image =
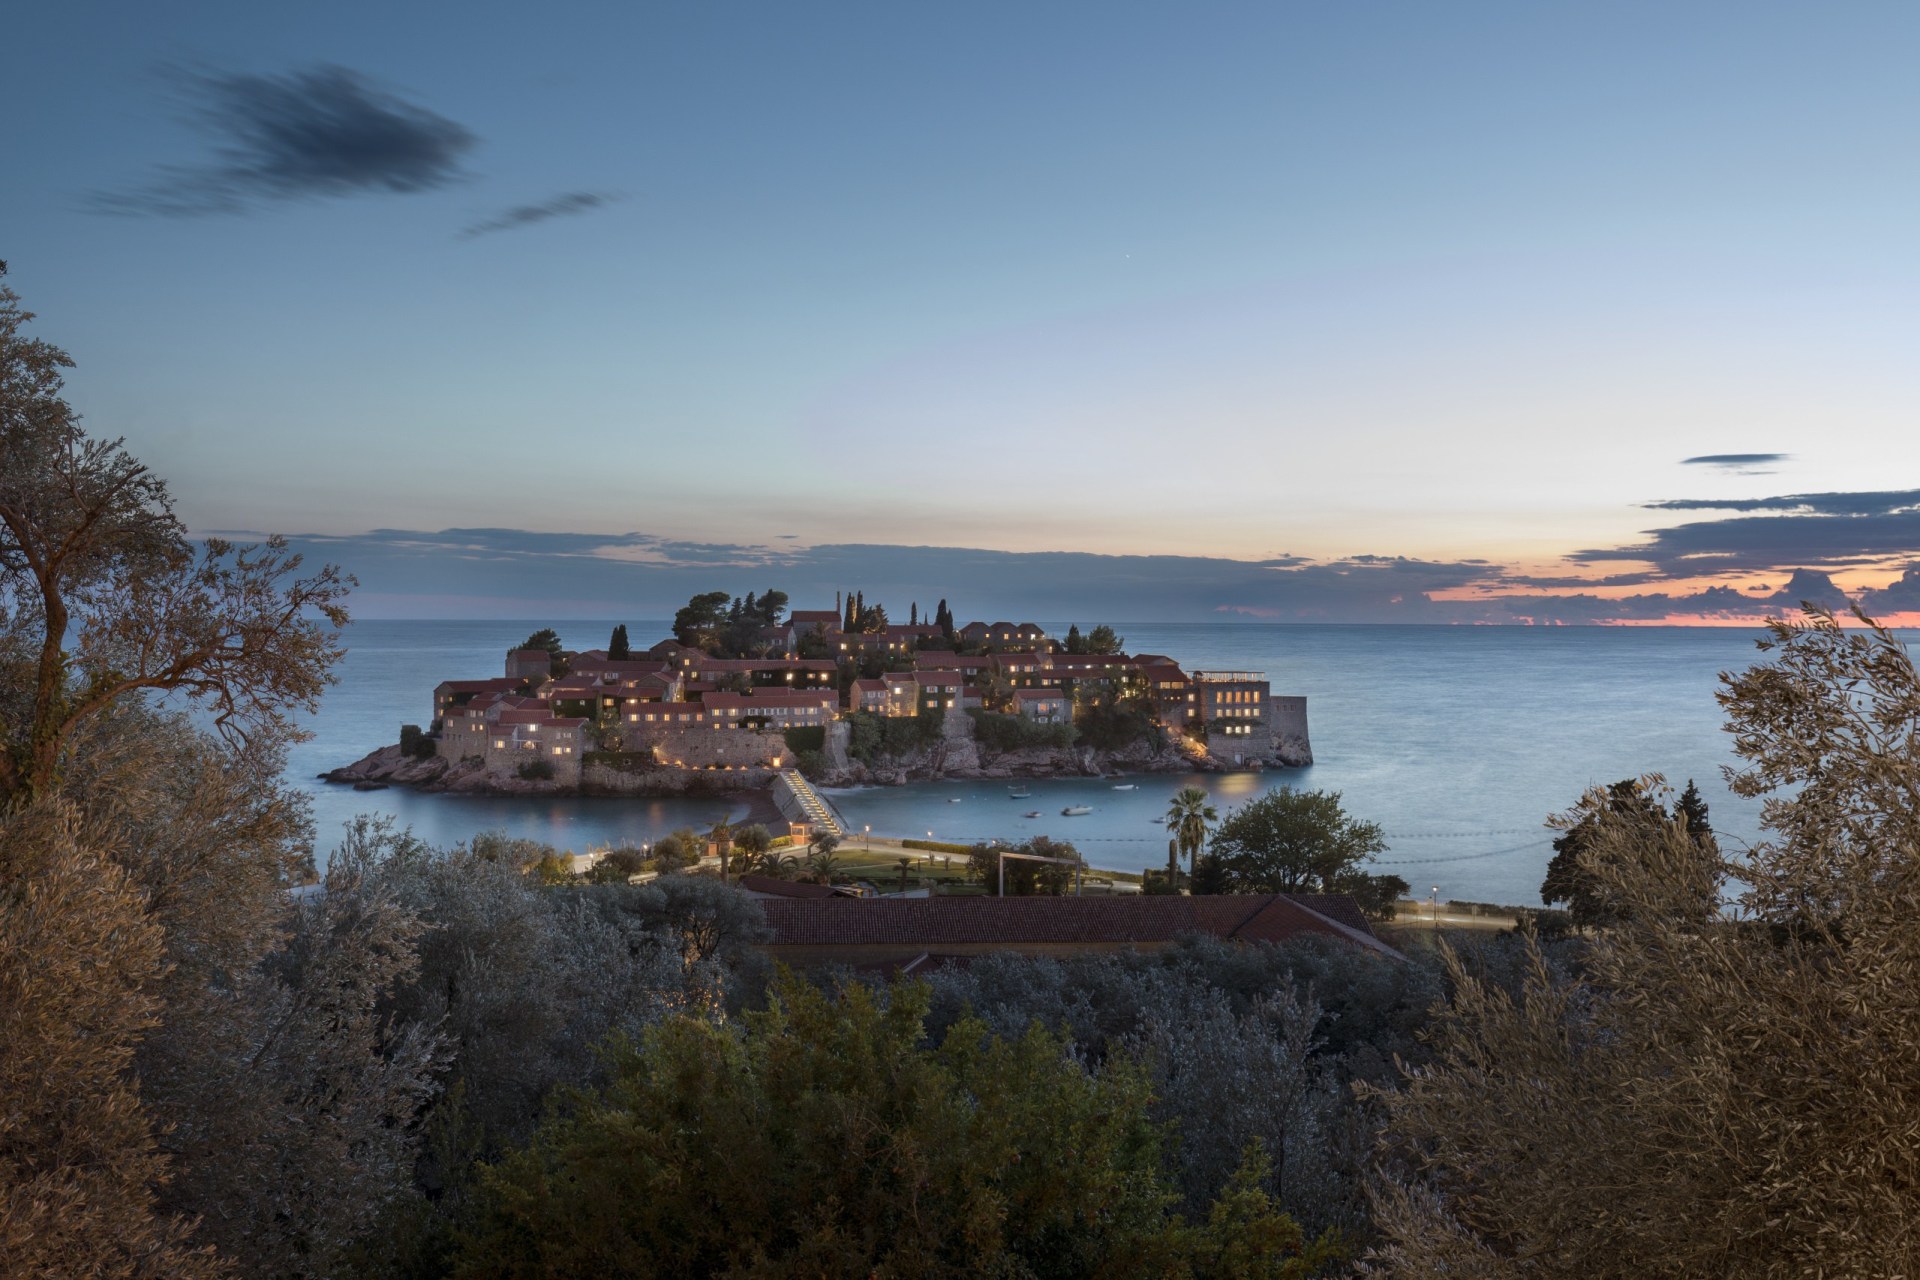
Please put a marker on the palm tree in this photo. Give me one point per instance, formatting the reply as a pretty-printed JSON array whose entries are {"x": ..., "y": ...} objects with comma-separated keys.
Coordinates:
[
  {"x": 1187, "y": 819},
  {"x": 821, "y": 863}
]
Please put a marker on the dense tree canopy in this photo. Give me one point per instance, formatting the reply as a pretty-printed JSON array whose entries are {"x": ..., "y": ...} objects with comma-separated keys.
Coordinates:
[{"x": 824, "y": 1137}]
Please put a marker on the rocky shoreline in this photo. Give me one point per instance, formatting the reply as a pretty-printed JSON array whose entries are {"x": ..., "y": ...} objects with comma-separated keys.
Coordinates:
[{"x": 958, "y": 756}]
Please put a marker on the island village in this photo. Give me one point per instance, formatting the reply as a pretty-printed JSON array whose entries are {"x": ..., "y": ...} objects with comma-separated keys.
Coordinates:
[{"x": 744, "y": 694}]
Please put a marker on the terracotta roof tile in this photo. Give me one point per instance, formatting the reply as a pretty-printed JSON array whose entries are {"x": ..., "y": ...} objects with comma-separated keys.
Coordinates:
[{"x": 931, "y": 923}]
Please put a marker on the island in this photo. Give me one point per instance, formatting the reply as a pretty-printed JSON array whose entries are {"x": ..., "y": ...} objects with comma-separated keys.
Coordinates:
[{"x": 743, "y": 694}]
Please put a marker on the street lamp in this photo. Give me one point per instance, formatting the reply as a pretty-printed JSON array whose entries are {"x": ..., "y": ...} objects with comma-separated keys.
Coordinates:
[
  {"x": 869, "y": 831},
  {"x": 1435, "y": 899}
]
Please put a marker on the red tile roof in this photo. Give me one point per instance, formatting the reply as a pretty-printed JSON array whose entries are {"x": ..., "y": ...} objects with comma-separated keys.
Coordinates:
[
  {"x": 786, "y": 888},
  {"x": 936, "y": 922}
]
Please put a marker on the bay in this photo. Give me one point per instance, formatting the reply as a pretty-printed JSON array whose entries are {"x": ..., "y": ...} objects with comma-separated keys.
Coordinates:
[{"x": 1458, "y": 740}]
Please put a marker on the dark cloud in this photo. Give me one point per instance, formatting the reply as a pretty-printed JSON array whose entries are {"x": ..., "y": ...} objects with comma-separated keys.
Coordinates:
[
  {"x": 526, "y": 215},
  {"x": 1735, "y": 461},
  {"x": 1831, "y": 529},
  {"x": 1870, "y": 503},
  {"x": 1902, "y": 595},
  {"x": 506, "y": 572},
  {"x": 309, "y": 134},
  {"x": 1724, "y": 603},
  {"x": 500, "y": 573}
]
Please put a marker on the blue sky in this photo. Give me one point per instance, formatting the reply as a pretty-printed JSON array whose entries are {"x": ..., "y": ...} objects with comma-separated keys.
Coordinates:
[{"x": 1438, "y": 283}]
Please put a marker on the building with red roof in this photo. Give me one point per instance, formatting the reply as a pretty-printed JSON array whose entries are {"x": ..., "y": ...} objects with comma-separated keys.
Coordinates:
[{"x": 898, "y": 931}]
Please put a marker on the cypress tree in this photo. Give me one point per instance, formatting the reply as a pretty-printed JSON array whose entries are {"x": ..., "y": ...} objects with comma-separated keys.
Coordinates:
[{"x": 619, "y": 648}]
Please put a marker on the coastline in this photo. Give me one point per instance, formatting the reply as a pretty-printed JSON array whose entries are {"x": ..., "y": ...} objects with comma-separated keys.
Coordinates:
[{"x": 958, "y": 758}]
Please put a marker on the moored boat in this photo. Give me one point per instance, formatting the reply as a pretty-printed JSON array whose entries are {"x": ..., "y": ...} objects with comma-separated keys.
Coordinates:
[{"x": 1076, "y": 810}]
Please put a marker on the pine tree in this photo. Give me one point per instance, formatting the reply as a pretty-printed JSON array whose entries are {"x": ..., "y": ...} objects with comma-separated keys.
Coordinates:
[
  {"x": 1076, "y": 643},
  {"x": 1693, "y": 809}
]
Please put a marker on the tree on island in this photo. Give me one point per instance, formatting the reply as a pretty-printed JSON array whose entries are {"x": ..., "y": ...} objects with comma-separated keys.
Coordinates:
[
  {"x": 1076, "y": 643},
  {"x": 1290, "y": 841},
  {"x": 1187, "y": 819},
  {"x": 698, "y": 622},
  {"x": 1103, "y": 640},
  {"x": 619, "y": 648}
]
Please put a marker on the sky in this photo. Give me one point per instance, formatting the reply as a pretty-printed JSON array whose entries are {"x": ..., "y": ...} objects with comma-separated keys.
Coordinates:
[{"x": 1472, "y": 312}]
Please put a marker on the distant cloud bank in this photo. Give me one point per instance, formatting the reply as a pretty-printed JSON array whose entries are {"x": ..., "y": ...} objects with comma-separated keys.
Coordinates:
[{"x": 1804, "y": 539}]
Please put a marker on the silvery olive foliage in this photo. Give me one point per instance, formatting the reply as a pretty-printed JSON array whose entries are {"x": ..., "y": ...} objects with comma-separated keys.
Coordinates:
[
  {"x": 1727, "y": 1093},
  {"x": 1241, "y": 1044}
]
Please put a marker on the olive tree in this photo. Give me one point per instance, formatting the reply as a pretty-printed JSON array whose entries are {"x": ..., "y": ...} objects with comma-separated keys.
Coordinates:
[
  {"x": 1726, "y": 1085},
  {"x": 103, "y": 595}
]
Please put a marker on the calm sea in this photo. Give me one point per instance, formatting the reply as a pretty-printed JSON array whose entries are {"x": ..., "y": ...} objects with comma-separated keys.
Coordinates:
[{"x": 1458, "y": 740}]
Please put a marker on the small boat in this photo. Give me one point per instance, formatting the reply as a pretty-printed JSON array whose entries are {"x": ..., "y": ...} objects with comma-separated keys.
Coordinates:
[
  {"x": 1076, "y": 810},
  {"x": 1019, "y": 793},
  {"x": 1031, "y": 813},
  {"x": 953, "y": 799},
  {"x": 1125, "y": 786}
]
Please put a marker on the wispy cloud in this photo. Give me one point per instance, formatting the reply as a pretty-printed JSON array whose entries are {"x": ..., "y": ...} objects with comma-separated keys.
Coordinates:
[
  {"x": 1734, "y": 460},
  {"x": 526, "y": 215},
  {"x": 319, "y": 133}
]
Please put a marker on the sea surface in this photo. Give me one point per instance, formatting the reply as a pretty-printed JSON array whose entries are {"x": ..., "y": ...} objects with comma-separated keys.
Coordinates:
[{"x": 1459, "y": 741}]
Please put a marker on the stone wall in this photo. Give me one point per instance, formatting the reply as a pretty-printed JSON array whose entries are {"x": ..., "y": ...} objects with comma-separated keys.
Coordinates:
[
  {"x": 1287, "y": 722},
  {"x": 697, "y": 746}
]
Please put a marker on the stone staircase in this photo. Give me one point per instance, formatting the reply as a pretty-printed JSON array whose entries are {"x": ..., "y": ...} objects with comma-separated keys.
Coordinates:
[{"x": 805, "y": 804}]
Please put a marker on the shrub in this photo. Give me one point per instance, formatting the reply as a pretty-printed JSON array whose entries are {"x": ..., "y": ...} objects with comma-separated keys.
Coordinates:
[
  {"x": 806, "y": 737},
  {"x": 872, "y": 738},
  {"x": 1010, "y": 733},
  {"x": 936, "y": 846},
  {"x": 620, "y": 761},
  {"x": 536, "y": 771}
]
